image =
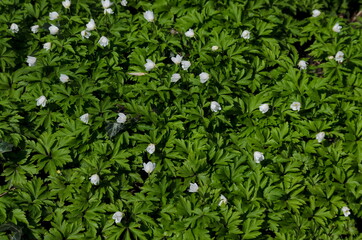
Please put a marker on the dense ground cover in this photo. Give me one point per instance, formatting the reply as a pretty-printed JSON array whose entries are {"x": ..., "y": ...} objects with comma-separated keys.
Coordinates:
[{"x": 180, "y": 119}]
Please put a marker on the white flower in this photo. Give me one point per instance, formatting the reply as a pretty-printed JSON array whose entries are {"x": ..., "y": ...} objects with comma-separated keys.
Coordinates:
[
  {"x": 103, "y": 41},
  {"x": 295, "y": 106},
  {"x": 258, "y": 157},
  {"x": 122, "y": 118},
  {"x": 41, "y": 101},
  {"x": 175, "y": 77},
  {"x": 117, "y": 216},
  {"x": 320, "y": 136},
  {"x": 85, "y": 118},
  {"x": 316, "y": 13},
  {"x": 85, "y": 34},
  {"x": 31, "y": 61},
  {"x": 53, "y": 30},
  {"x": 35, "y": 28},
  {"x": 346, "y": 211},
  {"x": 193, "y": 187},
  {"x": 64, "y": 78},
  {"x": 149, "y": 65},
  {"x": 106, "y": 4},
  {"x": 151, "y": 148},
  {"x": 177, "y": 59},
  {"x": 91, "y": 25},
  {"x": 124, "y": 3},
  {"x": 47, "y": 45},
  {"x": 330, "y": 57},
  {"x": 185, "y": 65},
  {"x": 94, "y": 179},
  {"x": 302, "y": 65},
  {"x": 149, "y": 167},
  {"x": 204, "y": 77},
  {"x": 53, "y": 15},
  {"x": 190, "y": 33},
  {"x": 245, "y": 34},
  {"x": 14, "y": 28},
  {"x": 264, "y": 108},
  {"x": 339, "y": 57},
  {"x": 148, "y": 15},
  {"x": 215, "y": 106},
  {"x": 223, "y": 200},
  {"x": 108, "y": 11},
  {"x": 66, "y": 3},
  {"x": 214, "y": 48},
  {"x": 336, "y": 28}
]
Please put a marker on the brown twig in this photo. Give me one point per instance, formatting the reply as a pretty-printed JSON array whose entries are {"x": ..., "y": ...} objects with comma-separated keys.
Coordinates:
[
  {"x": 3, "y": 194},
  {"x": 358, "y": 14}
]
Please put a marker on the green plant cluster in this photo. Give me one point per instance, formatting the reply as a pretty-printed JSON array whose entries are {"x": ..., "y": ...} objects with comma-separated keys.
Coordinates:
[{"x": 225, "y": 170}]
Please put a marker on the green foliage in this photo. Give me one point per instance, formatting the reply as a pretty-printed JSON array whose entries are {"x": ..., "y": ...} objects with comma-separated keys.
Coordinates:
[{"x": 71, "y": 166}]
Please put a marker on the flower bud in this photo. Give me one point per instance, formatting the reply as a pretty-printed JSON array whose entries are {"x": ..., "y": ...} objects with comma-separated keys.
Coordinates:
[{"x": 151, "y": 148}]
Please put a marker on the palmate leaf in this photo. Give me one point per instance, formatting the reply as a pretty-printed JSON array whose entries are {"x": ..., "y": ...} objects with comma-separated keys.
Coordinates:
[
  {"x": 233, "y": 221},
  {"x": 7, "y": 58},
  {"x": 68, "y": 231},
  {"x": 17, "y": 168},
  {"x": 50, "y": 153},
  {"x": 273, "y": 193},
  {"x": 251, "y": 228},
  {"x": 18, "y": 215},
  {"x": 322, "y": 215}
]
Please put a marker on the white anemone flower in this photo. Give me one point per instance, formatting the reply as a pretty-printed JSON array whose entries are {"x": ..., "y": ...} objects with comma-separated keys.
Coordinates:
[
  {"x": 149, "y": 167},
  {"x": 258, "y": 157},
  {"x": 31, "y": 61},
  {"x": 175, "y": 77},
  {"x": 117, "y": 217},
  {"x": 14, "y": 28},
  {"x": 204, "y": 77},
  {"x": 215, "y": 106},
  {"x": 193, "y": 187},
  {"x": 84, "y": 118},
  {"x": 94, "y": 179},
  {"x": 264, "y": 108},
  {"x": 149, "y": 65},
  {"x": 149, "y": 16},
  {"x": 177, "y": 59},
  {"x": 41, "y": 101},
  {"x": 295, "y": 106},
  {"x": 190, "y": 33},
  {"x": 337, "y": 28}
]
